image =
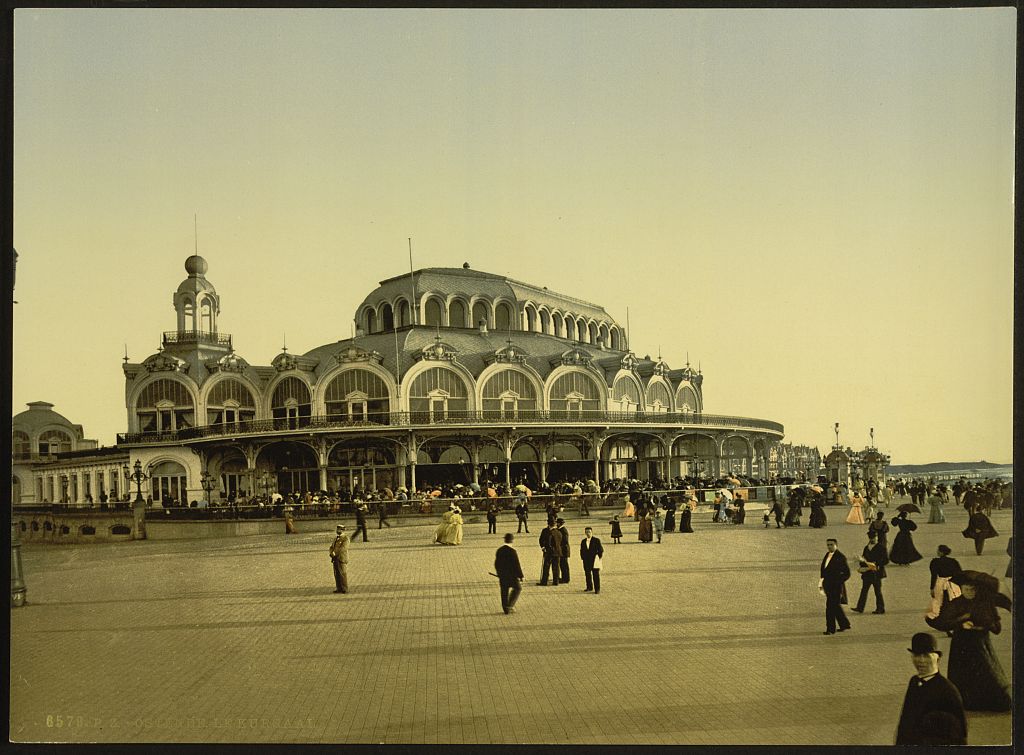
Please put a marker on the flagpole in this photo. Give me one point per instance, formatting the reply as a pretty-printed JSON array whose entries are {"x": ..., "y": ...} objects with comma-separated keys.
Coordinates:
[{"x": 413, "y": 309}]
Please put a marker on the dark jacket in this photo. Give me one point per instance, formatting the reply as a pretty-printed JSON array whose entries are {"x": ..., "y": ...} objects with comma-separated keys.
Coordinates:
[
  {"x": 933, "y": 714},
  {"x": 877, "y": 556},
  {"x": 943, "y": 566},
  {"x": 589, "y": 554},
  {"x": 838, "y": 570},
  {"x": 506, "y": 563}
]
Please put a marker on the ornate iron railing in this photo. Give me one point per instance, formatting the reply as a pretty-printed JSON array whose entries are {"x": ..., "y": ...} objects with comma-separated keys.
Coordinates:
[
  {"x": 196, "y": 336},
  {"x": 451, "y": 418}
]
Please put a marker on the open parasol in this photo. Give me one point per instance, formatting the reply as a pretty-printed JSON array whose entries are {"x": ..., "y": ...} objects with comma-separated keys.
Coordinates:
[
  {"x": 725, "y": 494},
  {"x": 910, "y": 508}
]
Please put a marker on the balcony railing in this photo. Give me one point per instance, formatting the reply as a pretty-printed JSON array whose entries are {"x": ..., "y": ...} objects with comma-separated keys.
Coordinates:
[
  {"x": 451, "y": 418},
  {"x": 196, "y": 336}
]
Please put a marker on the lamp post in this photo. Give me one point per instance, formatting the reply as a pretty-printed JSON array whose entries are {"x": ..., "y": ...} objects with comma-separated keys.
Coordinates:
[
  {"x": 206, "y": 480},
  {"x": 63, "y": 488},
  {"x": 138, "y": 477}
]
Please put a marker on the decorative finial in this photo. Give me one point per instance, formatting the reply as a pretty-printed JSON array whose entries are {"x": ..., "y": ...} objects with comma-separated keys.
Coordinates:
[
  {"x": 687, "y": 359},
  {"x": 126, "y": 354},
  {"x": 284, "y": 349}
]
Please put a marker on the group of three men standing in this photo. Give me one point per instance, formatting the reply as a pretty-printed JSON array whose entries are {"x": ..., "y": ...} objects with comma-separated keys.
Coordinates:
[{"x": 554, "y": 541}]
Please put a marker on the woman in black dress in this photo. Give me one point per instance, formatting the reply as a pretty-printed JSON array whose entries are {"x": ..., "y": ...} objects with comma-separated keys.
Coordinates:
[
  {"x": 943, "y": 569},
  {"x": 973, "y": 665},
  {"x": 979, "y": 528},
  {"x": 903, "y": 551},
  {"x": 817, "y": 518},
  {"x": 684, "y": 517},
  {"x": 670, "y": 513}
]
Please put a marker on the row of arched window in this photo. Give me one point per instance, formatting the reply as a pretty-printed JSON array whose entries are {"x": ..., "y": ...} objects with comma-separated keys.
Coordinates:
[
  {"x": 48, "y": 442},
  {"x": 501, "y": 315},
  {"x": 361, "y": 393}
]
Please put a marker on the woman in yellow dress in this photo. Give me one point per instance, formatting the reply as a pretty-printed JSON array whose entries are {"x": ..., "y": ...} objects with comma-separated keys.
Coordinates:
[
  {"x": 856, "y": 515},
  {"x": 441, "y": 533}
]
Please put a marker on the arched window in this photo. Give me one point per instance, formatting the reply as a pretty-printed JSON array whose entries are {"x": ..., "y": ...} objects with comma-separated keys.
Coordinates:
[
  {"x": 190, "y": 315},
  {"x": 531, "y": 319},
  {"x": 557, "y": 325},
  {"x": 626, "y": 394},
  {"x": 433, "y": 312},
  {"x": 481, "y": 314},
  {"x": 570, "y": 328},
  {"x": 229, "y": 403},
  {"x": 507, "y": 393},
  {"x": 592, "y": 330},
  {"x": 165, "y": 405},
  {"x": 403, "y": 314},
  {"x": 503, "y": 317},
  {"x": 206, "y": 316},
  {"x": 291, "y": 404},
  {"x": 387, "y": 317},
  {"x": 169, "y": 484},
  {"x": 436, "y": 393},
  {"x": 21, "y": 447},
  {"x": 581, "y": 331},
  {"x": 457, "y": 314},
  {"x": 371, "y": 321},
  {"x": 357, "y": 395},
  {"x": 686, "y": 399},
  {"x": 658, "y": 399},
  {"x": 573, "y": 393},
  {"x": 614, "y": 336},
  {"x": 54, "y": 442},
  {"x": 545, "y": 322}
]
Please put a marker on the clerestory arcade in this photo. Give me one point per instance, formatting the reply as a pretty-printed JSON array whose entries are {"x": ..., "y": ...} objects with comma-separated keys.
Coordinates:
[{"x": 452, "y": 374}]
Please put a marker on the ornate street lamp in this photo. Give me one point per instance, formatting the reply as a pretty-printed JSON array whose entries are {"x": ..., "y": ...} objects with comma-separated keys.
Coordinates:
[
  {"x": 63, "y": 488},
  {"x": 138, "y": 477},
  {"x": 207, "y": 481}
]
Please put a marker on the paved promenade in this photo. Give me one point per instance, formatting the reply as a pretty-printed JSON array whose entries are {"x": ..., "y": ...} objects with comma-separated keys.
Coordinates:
[{"x": 707, "y": 638}]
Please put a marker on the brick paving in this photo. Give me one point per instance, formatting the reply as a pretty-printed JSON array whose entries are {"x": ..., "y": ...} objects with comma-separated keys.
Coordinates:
[{"x": 709, "y": 638}]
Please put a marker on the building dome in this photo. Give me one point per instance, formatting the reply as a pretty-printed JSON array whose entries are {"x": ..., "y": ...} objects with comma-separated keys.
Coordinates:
[
  {"x": 40, "y": 414},
  {"x": 196, "y": 265}
]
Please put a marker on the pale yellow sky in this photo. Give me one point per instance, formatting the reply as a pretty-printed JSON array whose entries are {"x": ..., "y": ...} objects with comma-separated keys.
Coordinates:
[{"x": 816, "y": 205}]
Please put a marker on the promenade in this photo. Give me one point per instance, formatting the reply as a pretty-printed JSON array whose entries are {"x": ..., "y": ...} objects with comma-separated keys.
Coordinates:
[{"x": 707, "y": 638}]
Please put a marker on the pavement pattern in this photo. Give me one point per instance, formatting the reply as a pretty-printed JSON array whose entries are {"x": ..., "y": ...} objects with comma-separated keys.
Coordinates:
[{"x": 706, "y": 638}]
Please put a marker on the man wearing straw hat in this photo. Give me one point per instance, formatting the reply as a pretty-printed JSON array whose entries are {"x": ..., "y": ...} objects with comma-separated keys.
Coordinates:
[{"x": 933, "y": 712}]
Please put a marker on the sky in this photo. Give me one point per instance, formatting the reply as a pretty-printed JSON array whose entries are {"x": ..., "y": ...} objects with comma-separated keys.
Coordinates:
[{"x": 815, "y": 206}]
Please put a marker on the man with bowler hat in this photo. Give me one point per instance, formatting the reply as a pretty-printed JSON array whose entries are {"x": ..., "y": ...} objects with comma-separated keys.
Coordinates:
[
  {"x": 339, "y": 557},
  {"x": 510, "y": 574},
  {"x": 933, "y": 712}
]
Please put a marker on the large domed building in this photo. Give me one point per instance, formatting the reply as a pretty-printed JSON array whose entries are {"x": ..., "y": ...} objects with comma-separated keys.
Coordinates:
[{"x": 452, "y": 374}]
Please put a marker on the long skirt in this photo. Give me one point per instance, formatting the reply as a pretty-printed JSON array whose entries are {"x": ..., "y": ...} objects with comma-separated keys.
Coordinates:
[
  {"x": 976, "y": 671},
  {"x": 646, "y": 531},
  {"x": 684, "y": 520},
  {"x": 936, "y": 516},
  {"x": 856, "y": 516},
  {"x": 818, "y": 518},
  {"x": 670, "y": 521},
  {"x": 903, "y": 550},
  {"x": 943, "y": 592}
]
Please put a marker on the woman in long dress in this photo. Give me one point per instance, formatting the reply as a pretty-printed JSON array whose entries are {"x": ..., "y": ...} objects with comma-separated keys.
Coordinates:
[
  {"x": 454, "y": 534},
  {"x": 646, "y": 529},
  {"x": 903, "y": 551},
  {"x": 973, "y": 665},
  {"x": 856, "y": 515},
  {"x": 670, "y": 513},
  {"x": 441, "y": 533},
  {"x": 936, "y": 502},
  {"x": 943, "y": 569},
  {"x": 817, "y": 518},
  {"x": 685, "y": 515}
]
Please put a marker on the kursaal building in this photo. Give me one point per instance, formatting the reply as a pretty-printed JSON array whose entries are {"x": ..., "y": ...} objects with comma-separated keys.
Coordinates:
[{"x": 453, "y": 374}]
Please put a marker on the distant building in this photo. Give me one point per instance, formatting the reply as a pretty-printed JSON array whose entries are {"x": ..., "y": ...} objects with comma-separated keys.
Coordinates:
[
  {"x": 53, "y": 462},
  {"x": 855, "y": 468},
  {"x": 800, "y": 462}
]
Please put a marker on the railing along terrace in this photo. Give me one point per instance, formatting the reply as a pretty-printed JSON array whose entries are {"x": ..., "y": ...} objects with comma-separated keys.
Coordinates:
[
  {"x": 475, "y": 506},
  {"x": 414, "y": 419},
  {"x": 196, "y": 336}
]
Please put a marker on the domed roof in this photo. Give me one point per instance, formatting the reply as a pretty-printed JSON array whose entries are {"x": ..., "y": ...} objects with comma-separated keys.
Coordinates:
[
  {"x": 40, "y": 414},
  {"x": 196, "y": 282},
  {"x": 196, "y": 265}
]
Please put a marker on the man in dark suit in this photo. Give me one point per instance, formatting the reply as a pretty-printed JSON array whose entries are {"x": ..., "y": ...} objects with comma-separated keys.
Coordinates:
[
  {"x": 872, "y": 572},
  {"x": 551, "y": 545},
  {"x": 510, "y": 574},
  {"x": 834, "y": 573},
  {"x": 933, "y": 711},
  {"x": 563, "y": 561},
  {"x": 591, "y": 551}
]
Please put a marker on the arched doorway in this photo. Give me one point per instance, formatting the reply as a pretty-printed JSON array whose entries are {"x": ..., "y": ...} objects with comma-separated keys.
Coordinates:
[
  {"x": 294, "y": 466},
  {"x": 169, "y": 484},
  {"x": 362, "y": 465}
]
